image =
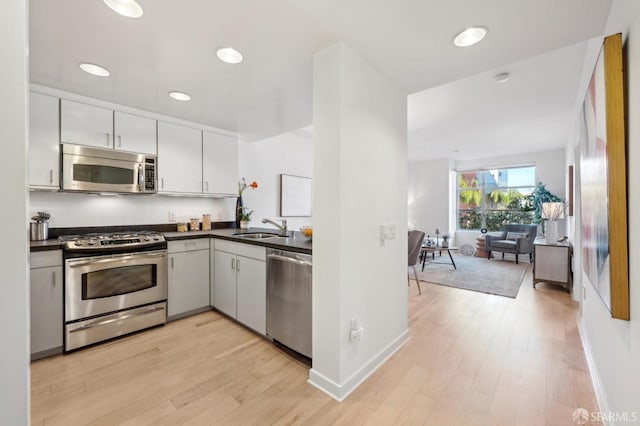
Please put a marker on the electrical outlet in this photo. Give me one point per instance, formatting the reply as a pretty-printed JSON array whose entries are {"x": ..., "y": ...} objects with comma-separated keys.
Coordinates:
[
  {"x": 172, "y": 216},
  {"x": 356, "y": 335},
  {"x": 217, "y": 216}
]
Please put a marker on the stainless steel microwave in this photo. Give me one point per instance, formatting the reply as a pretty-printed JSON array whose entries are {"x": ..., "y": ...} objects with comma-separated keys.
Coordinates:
[{"x": 89, "y": 169}]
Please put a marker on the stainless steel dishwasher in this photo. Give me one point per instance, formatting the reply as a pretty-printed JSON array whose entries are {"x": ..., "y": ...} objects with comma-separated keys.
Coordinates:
[{"x": 289, "y": 299}]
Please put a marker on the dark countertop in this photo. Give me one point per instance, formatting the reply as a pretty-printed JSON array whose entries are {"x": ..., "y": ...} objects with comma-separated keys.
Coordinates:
[
  {"x": 297, "y": 243},
  {"x": 51, "y": 244}
]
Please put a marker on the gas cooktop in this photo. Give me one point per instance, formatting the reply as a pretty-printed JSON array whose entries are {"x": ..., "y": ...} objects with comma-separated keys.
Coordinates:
[{"x": 107, "y": 240}]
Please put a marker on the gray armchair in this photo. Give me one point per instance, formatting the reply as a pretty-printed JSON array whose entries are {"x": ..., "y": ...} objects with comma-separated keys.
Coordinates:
[
  {"x": 415, "y": 247},
  {"x": 515, "y": 239}
]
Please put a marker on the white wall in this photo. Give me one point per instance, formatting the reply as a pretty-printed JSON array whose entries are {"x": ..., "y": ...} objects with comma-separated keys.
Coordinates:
[
  {"x": 264, "y": 162},
  {"x": 14, "y": 286},
  {"x": 71, "y": 210},
  {"x": 360, "y": 182},
  {"x": 429, "y": 193},
  {"x": 613, "y": 346}
]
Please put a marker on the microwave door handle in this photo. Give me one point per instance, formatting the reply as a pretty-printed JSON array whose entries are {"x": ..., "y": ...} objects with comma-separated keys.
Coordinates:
[{"x": 141, "y": 187}]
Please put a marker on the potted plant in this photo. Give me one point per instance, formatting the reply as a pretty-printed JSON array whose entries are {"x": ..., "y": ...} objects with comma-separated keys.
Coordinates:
[
  {"x": 245, "y": 217},
  {"x": 445, "y": 240},
  {"x": 535, "y": 200}
]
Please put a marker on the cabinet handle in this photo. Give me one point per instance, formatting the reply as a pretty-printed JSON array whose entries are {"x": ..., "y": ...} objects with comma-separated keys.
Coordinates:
[
  {"x": 238, "y": 265},
  {"x": 53, "y": 278},
  {"x": 108, "y": 139},
  {"x": 207, "y": 184},
  {"x": 172, "y": 263},
  {"x": 233, "y": 263},
  {"x": 119, "y": 141},
  {"x": 51, "y": 176},
  {"x": 161, "y": 183}
]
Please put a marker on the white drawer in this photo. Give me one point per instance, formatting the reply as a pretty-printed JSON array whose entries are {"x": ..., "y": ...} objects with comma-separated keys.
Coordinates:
[
  {"x": 188, "y": 245},
  {"x": 44, "y": 259},
  {"x": 241, "y": 249}
]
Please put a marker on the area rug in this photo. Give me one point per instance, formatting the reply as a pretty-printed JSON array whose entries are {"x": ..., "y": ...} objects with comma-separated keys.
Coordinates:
[{"x": 495, "y": 276}]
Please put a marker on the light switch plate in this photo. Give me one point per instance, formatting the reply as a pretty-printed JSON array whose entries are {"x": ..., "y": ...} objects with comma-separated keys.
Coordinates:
[{"x": 387, "y": 232}]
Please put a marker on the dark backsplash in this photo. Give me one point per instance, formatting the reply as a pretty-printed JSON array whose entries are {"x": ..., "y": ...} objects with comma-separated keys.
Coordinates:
[{"x": 164, "y": 227}]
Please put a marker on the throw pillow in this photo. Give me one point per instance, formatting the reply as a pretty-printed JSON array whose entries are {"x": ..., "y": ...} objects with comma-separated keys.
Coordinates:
[{"x": 515, "y": 235}]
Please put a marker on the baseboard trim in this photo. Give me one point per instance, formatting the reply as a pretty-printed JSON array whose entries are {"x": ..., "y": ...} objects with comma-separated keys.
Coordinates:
[
  {"x": 46, "y": 353},
  {"x": 188, "y": 313},
  {"x": 595, "y": 377},
  {"x": 340, "y": 392}
]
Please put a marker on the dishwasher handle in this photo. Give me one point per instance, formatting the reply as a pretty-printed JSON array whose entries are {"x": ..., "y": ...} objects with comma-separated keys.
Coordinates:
[{"x": 289, "y": 259}]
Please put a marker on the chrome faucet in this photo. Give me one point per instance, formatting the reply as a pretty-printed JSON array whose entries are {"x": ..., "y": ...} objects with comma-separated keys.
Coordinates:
[{"x": 283, "y": 228}]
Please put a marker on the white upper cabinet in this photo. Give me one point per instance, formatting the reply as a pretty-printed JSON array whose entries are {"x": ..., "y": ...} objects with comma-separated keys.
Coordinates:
[
  {"x": 190, "y": 161},
  {"x": 179, "y": 159},
  {"x": 44, "y": 141},
  {"x": 219, "y": 164},
  {"x": 104, "y": 128},
  {"x": 134, "y": 133},
  {"x": 86, "y": 124}
]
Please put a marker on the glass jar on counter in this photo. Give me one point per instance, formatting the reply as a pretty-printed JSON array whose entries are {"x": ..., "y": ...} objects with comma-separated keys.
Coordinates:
[
  {"x": 206, "y": 222},
  {"x": 194, "y": 224},
  {"x": 182, "y": 227}
]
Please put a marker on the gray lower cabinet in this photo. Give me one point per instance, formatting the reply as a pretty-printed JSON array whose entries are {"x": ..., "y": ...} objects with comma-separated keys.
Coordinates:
[
  {"x": 212, "y": 271},
  {"x": 46, "y": 304},
  {"x": 225, "y": 282},
  {"x": 188, "y": 277},
  {"x": 240, "y": 283},
  {"x": 251, "y": 291}
]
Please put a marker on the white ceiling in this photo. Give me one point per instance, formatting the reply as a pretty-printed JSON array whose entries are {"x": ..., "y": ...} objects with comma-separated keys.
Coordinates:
[
  {"x": 477, "y": 117},
  {"x": 172, "y": 47}
]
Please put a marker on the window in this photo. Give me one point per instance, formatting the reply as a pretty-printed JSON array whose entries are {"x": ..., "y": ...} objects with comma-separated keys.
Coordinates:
[{"x": 491, "y": 198}]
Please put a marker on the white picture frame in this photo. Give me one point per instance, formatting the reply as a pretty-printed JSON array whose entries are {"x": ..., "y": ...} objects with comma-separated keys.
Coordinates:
[{"x": 295, "y": 196}]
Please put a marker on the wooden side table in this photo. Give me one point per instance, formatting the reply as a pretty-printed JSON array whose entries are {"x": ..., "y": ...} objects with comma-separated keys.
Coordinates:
[
  {"x": 480, "y": 246},
  {"x": 552, "y": 263}
]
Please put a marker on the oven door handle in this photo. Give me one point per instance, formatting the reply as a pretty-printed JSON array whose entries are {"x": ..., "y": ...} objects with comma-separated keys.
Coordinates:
[
  {"x": 109, "y": 321},
  {"x": 110, "y": 259}
]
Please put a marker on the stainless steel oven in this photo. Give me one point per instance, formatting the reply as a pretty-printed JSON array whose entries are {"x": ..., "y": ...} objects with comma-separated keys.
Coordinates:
[
  {"x": 113, "y": 286},
  {"x": 89, "y": 169}
]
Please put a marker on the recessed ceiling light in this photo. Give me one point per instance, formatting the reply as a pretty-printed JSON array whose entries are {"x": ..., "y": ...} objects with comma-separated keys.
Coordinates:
[
  {"x": 180, "y": 96},
  {"x": 128, "y": 8},
  {"x": 229, "y": 55},
  {"x": 95, "y": 69},
  {"x": 502, "y": 77},
  {"x": 470, "y": 36}
]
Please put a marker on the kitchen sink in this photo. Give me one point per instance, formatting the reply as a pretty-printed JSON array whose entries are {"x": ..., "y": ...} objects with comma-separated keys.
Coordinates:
[{"x": 256, "y": 235}]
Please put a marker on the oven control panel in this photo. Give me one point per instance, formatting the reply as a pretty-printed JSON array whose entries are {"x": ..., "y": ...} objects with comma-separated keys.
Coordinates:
[{"x": 102, "y": 241}]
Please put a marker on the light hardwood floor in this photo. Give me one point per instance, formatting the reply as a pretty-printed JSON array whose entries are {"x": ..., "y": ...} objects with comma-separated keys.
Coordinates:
[{"x": 473, "y": 359}]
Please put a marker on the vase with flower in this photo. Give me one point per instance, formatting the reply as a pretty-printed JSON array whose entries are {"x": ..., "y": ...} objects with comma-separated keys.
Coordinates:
[{"x": 240, "y": 208}]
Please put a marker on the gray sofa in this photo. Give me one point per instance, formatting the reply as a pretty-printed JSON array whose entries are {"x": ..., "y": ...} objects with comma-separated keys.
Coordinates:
[{"x": 515, "y": 239}]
